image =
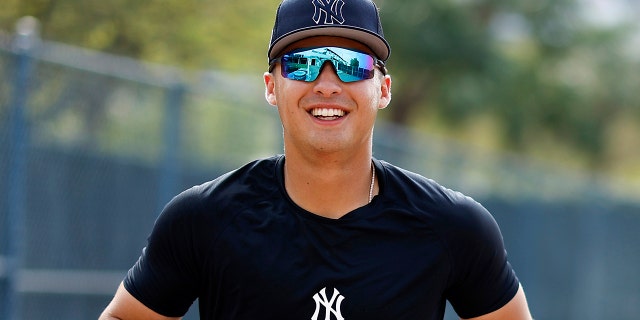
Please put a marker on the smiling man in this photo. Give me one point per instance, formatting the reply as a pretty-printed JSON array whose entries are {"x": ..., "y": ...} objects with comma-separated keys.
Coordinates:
[{"x": 324, "y": 231}]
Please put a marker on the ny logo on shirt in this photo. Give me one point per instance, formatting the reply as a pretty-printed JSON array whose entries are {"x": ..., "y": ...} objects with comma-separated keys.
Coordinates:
[
  {"x": 331, "y": 10},
  {"x": 322, "y": 301}
]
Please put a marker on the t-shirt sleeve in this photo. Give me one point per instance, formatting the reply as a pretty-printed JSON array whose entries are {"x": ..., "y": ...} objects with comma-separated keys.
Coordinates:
[
  {"x": 165, "y": 276},
  {"x": 482, "y": 279}
]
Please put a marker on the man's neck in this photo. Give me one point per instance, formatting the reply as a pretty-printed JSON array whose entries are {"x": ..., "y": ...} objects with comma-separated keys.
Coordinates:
[{"x": 329, "y": 186}]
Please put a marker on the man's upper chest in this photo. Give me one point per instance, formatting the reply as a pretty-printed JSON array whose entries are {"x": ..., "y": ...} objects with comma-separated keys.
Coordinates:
[{"x": 375, "y": 269}]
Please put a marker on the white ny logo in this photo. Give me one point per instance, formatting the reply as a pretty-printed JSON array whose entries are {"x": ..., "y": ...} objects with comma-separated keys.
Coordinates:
[
  {"x": 328, "y": 304},
  {"x": 332, "y": 11}
]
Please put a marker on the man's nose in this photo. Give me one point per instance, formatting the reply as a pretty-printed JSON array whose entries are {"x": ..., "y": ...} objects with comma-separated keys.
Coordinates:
[
  {"x": 327, "y": 82},
  {"x": 328, "y": 68}
]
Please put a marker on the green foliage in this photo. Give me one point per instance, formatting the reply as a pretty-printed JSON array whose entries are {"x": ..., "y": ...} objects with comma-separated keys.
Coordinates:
[
  {"x": 534, "y": 67},
  {"x": 223, "y": 34}
]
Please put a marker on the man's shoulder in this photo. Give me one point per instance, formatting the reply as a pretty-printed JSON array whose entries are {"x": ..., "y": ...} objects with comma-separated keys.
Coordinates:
[
  {"x": 448, "y": 209},
  {"x": 234, "y": 188},
  {"x": 400, "y": 182},
  {"x": 255, "y": 173}
]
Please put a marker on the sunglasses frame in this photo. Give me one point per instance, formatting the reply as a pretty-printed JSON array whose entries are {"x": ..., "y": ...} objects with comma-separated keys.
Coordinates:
[{"x": 376, "y": 63}]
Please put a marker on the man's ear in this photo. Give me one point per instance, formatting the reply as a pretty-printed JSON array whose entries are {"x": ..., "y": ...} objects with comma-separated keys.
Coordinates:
[
  {"x": 269, "y": 88},
  {"x": 385, "y": 92}
]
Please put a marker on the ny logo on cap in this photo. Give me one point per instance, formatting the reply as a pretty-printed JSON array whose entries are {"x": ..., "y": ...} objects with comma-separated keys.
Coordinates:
[{"x": 331, "y": 10}]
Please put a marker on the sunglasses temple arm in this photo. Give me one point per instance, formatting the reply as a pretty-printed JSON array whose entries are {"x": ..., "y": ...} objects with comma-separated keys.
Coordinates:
[{"x": 382, "y": 67}]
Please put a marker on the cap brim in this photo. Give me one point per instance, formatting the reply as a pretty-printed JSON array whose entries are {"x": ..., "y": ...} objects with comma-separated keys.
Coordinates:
[{"x": 378, "y": 45}]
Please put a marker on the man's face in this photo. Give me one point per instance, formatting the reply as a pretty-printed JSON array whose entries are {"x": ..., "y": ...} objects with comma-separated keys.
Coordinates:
[{"x": 327, "y": 115}]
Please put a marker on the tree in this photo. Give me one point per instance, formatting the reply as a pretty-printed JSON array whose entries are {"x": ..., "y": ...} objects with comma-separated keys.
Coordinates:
[
  {"x": 534, "y": 67},
  {"x": 509, "y": 59},
  {"x": 189, "y": 33}
]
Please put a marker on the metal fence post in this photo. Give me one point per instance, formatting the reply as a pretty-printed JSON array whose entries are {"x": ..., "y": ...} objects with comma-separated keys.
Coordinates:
[
  {"x": 171, "y": 134},
  {"x": 24, "y": 44}
]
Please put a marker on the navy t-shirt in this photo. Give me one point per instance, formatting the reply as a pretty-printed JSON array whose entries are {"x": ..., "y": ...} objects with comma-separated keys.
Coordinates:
[{"x": 242, "y": 247}]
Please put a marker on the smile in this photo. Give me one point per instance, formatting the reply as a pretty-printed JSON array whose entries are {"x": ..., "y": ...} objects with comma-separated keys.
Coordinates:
[{"x": 327, "y": 114}]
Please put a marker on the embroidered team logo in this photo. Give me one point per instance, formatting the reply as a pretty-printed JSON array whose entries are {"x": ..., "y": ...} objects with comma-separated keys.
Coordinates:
[
  {"x": 330, "y": 10},
  {"x": 331, "y": 306}
]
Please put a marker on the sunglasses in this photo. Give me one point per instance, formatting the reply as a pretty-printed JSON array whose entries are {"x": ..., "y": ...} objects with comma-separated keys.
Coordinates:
[{"x": 305, "y": 64}]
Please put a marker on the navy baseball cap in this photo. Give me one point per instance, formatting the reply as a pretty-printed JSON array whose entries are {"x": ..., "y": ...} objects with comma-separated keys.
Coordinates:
[{"x": 353, "y": 19}]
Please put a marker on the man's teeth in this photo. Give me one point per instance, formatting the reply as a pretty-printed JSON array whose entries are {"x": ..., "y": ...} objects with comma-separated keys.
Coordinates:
[{"x": 322, "y": 112}]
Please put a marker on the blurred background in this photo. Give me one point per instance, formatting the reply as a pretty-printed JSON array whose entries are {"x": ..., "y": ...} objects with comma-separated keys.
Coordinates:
[{"x": 109, "y": 108}]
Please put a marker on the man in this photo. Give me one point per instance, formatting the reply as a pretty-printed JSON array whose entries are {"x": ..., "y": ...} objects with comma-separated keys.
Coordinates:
[{"x": 325, "y": 231}]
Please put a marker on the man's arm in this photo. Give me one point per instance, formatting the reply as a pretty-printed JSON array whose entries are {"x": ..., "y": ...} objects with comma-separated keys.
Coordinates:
[
  {"x": 125, "y": 307},
  {"x": 516, "y": 309}
]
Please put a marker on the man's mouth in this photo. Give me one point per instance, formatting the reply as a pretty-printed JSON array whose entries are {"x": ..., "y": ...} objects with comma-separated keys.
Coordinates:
[{"x": 327, "y": 113}]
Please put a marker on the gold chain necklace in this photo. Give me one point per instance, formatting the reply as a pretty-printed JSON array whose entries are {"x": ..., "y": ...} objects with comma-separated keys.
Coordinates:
[{"x": 373, "y": 179}]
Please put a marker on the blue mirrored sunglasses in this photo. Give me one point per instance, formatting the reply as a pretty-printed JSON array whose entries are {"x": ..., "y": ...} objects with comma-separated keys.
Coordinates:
[{"x": 305, "y": 64}]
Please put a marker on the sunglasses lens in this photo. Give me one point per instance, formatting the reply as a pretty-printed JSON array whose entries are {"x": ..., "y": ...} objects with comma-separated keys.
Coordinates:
[{"x": 305, "y": 64}]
